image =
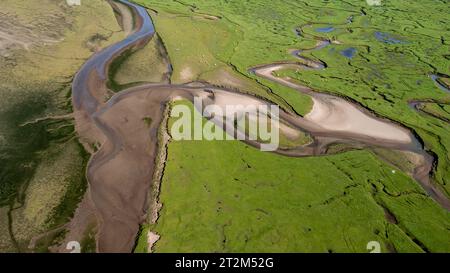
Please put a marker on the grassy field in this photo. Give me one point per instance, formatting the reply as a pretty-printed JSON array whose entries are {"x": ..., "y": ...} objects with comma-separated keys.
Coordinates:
[
  {"x": 43, "y": 165},
  {"x": 202, "y": 49},
  {"x": 226, "y": 196},
  {"x": 390, "y": 67},
  {"x": 440, "y": 111},
  {"x": 149, "y": 64}
]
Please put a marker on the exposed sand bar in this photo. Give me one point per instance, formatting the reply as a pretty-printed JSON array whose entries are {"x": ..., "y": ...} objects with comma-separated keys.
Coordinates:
[{"x": 338, "y": 115}]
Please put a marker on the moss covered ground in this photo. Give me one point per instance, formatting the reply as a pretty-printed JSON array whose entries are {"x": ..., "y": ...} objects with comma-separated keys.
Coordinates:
[{"x": 42, "y": 170}]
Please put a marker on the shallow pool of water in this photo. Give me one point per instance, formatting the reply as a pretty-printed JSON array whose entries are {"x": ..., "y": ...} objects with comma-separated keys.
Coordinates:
[
  {"x": 349, "y": 52},
  {"x": 387, "y": 38},
  {"x": 324, "y": 29}
]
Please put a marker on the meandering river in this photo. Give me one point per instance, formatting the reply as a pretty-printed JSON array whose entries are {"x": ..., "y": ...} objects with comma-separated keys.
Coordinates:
[{"x": 120, "y": 172}]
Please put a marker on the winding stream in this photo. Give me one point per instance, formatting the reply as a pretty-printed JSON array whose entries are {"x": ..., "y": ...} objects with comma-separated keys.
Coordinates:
[
  {"x": 441, "y": 86},
  {"x": 119, "y": 173}
]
